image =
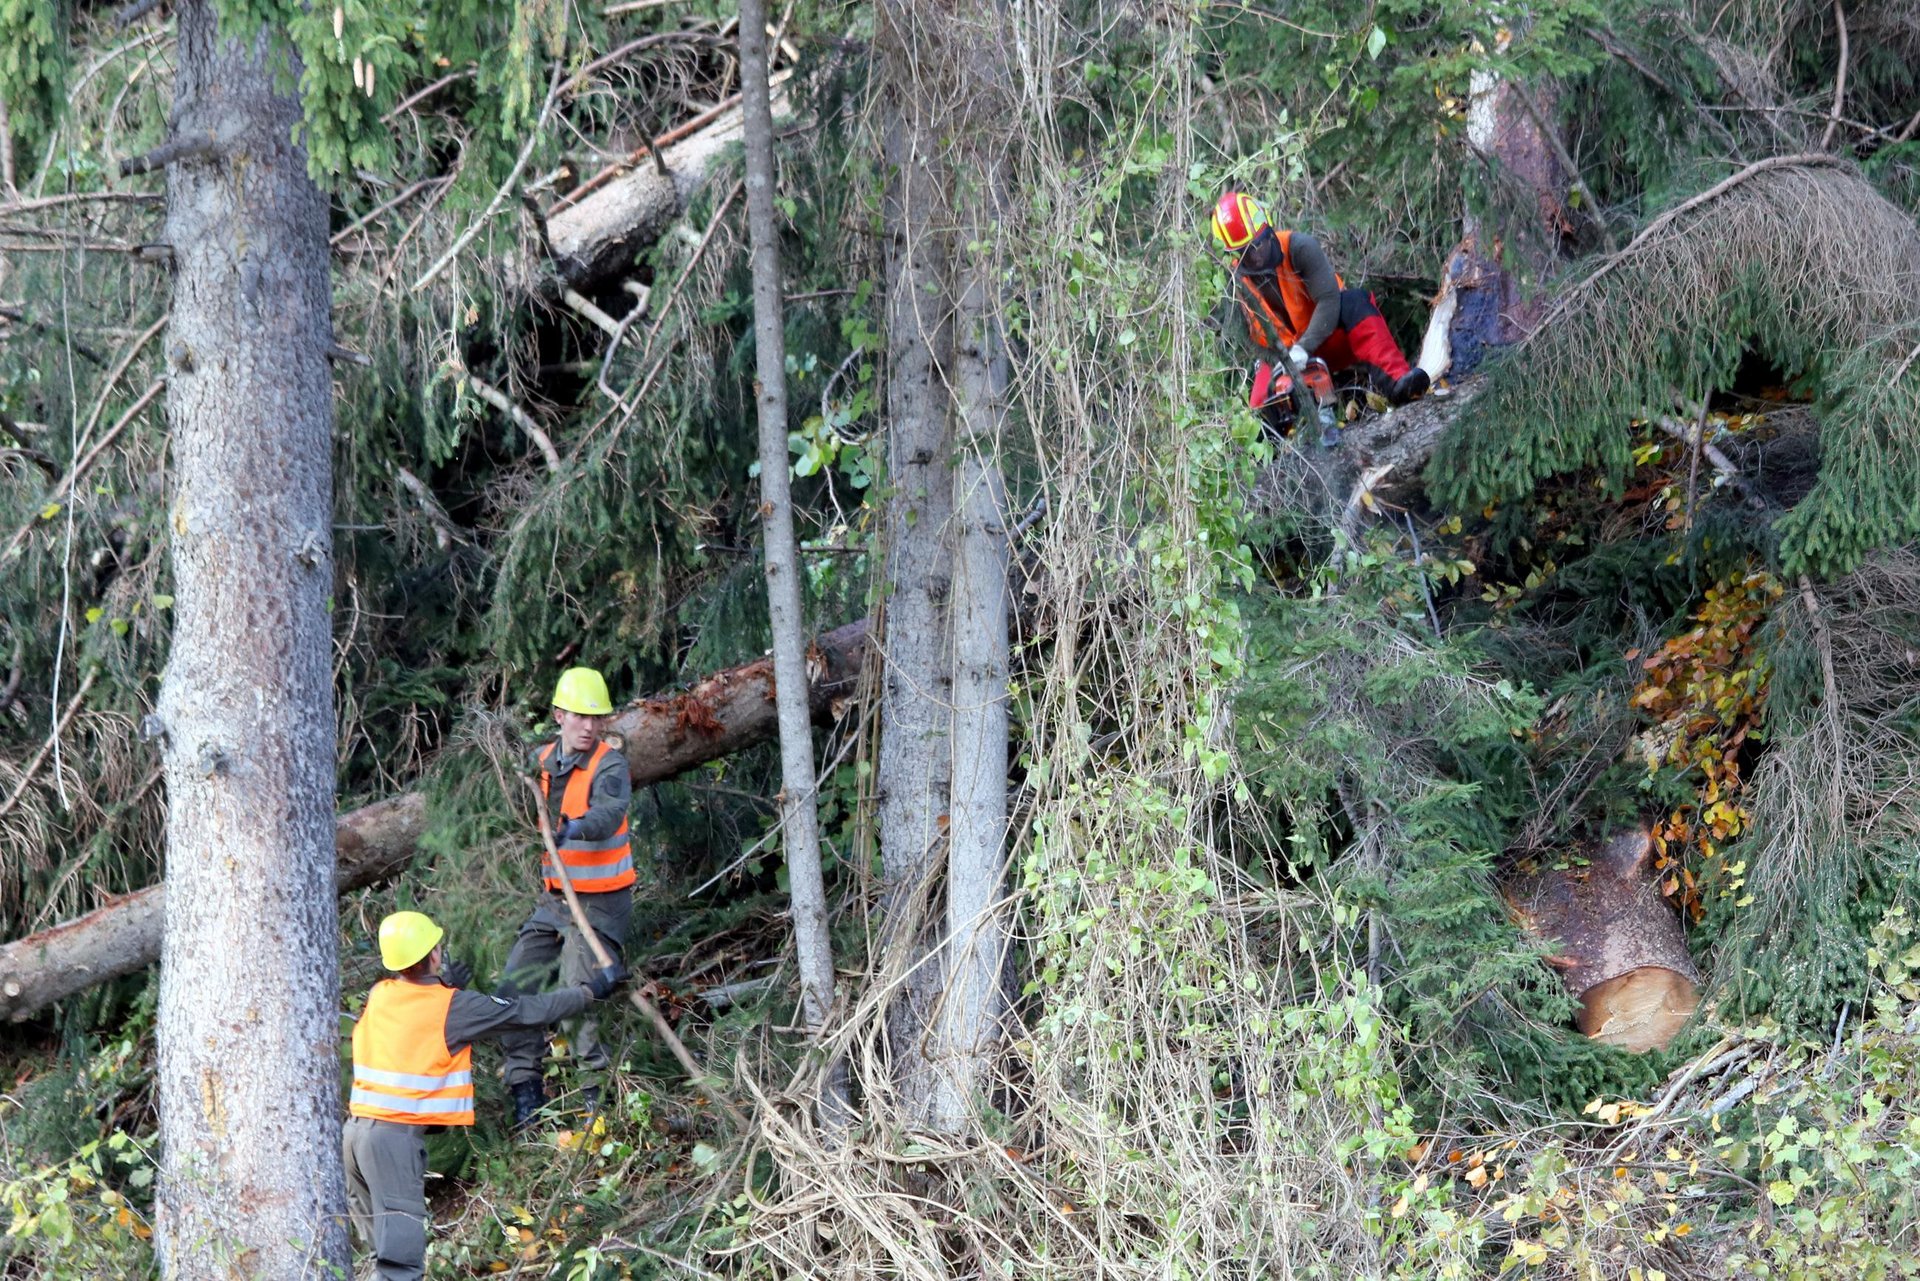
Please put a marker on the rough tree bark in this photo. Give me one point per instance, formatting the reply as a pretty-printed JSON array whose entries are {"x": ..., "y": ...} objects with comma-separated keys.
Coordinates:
[
  {"x": 1489, "y": 295},
  {"x": 915, "y": 762},
  {"x": 799, "y": 816},
  {"x": 1620, "y": 948},
  {"x": 973, "y": 1001},
  {"x": 248, "y": 1089},
  {"x": 725, "y": 713}
]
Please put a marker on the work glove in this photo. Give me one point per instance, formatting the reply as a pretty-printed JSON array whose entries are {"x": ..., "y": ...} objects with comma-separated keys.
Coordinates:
[
  {"x": 1298, "y": 355},
  {"x": 603, "y": 980},
  {"x": 456, "y": 974},
  {"x": 570, "y": 829}
]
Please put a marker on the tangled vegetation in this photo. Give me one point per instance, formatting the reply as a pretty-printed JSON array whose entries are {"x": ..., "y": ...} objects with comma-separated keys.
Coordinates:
[{"x": 1274, "y": 771}]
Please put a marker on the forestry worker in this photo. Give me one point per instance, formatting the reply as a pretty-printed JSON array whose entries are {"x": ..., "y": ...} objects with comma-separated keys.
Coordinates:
[
  {"x": 1292, "y": 298},
  {"x": 413, "y": 1070},
  {"x": 587, "y": 786}
]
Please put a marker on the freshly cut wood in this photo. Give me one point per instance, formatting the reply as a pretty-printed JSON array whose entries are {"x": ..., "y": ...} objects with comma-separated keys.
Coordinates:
[
  {"x": 1619, "y": 946},
  {"x": 665, "y": 736}
]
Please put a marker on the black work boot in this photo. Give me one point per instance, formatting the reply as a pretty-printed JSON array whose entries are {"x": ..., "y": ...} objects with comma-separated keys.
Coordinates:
[
  {"x": 1410, "y": 386},
  {"x": 528, "y": 1098}
]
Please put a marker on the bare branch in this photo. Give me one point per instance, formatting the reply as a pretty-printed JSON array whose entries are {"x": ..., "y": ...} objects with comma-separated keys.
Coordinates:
[
  {"x": 1805, "y": 159},
  {"x": 641, "y": 296},
  {"x": 512, "y": 180},
  {"x": 61, "y": 490},
  {"x": 418, "y": 96},
  {"x": 1712, "y": 453},
  {"x": 129, "y": 14},
  {"x": 445, "y": 532},
  {"x": 521, "y": 418},
  {"x": 172, "y": 151},
  {"x": 1839, "y": 79},
  {"x": 46, "y": 748}
]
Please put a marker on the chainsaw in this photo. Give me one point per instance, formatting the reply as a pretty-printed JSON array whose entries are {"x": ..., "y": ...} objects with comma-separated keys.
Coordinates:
[{"x": 1272, "y": 398}]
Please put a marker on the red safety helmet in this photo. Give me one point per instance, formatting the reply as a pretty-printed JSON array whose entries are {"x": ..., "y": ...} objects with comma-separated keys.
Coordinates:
[{"x": 1237, "y": 219}]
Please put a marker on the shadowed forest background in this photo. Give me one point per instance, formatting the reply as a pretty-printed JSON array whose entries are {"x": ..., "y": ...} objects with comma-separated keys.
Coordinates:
[{"x": 1270, "y": 945}]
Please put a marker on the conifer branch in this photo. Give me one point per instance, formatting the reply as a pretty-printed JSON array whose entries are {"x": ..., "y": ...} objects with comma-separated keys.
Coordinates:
[{"x": 1805, "y": 159}]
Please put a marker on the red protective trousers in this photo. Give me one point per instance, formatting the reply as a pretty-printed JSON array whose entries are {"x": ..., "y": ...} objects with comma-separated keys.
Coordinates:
[{"x": 1362, "y": 338}]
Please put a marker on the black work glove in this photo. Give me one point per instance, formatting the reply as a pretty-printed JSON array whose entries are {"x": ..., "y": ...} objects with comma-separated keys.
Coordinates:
[
  {"x": 456, "y": 974},
  {"x": 603, "y": 980}
]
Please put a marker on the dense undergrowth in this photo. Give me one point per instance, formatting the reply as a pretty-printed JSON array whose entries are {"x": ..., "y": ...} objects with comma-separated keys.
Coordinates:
[{"x": 1274, "y": 1016}]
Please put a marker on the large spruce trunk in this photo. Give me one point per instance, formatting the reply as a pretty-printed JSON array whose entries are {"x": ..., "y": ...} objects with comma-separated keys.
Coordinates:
[
  {"x": 249, "y": 1106},
  {"x": 974, "y": 998},
  {"x": 915, "y": 763}
]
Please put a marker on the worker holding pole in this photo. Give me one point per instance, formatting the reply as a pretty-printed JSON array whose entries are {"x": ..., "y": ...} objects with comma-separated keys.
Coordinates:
[
  {"x": 585, "y": 787},
  {"x": 413, "y": 1070}
]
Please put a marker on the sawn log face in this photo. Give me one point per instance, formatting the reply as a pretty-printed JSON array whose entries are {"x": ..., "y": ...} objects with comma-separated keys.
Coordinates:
[{"x": 1620, "y": 947}]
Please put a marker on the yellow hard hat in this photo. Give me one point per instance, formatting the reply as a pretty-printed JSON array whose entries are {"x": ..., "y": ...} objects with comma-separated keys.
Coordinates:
[
  {"x": 406, "y": 937},
  {"x": 583, "y": 690}
]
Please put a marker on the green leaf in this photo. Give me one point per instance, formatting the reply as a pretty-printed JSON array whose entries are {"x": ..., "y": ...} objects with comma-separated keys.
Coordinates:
[
  {"x": 1376, "y": 41},
  {"x": 162, "y": 601},
  {"x": 95, "y": 614},
  {"x": 1780, "y": 1192}
]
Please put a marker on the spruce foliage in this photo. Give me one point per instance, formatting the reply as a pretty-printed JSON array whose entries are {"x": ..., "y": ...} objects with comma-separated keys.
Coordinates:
[{"x": 1831, "y": 304}]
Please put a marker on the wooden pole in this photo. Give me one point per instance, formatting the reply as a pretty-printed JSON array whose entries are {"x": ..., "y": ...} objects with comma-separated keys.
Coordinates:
[{"x": 640, "y": 1000}]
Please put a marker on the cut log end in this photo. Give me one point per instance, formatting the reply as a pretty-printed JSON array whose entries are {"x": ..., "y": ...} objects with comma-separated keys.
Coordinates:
[
  {"x": 1618, "y": 946},
  {"x": 1641, "y": 1010}
]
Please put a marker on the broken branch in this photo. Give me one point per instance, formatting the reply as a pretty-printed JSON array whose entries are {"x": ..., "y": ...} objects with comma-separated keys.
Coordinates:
[
  {"x": 46, "y": 748},
  {"x": 172, "y": 151},
  {"x": 521, "y": 418},
  {"x": 1839, "y": 79}
]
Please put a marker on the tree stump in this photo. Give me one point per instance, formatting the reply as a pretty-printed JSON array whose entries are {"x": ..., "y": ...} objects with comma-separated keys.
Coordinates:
[{"x": 1618, "y": 946}]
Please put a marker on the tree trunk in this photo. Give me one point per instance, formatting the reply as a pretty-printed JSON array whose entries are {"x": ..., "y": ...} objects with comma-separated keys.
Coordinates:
[
  {"x": 799, "y": 816},
  {"x": 974, "y": 999},
  {"x": 1620, "y": 948},
  {"x": 1490, "y": 285},
  {"x": 248, "y": 1087},
  {"x": 916, "y": 692},
  {"x": 727, "y": 712}
]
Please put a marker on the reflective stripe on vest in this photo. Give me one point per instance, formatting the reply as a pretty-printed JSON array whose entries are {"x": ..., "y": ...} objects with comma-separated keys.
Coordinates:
[
  {"x": 594, "y": 867},
  {"x": 1288, "y": 322},
  {"x": 402, "y": 1069}
]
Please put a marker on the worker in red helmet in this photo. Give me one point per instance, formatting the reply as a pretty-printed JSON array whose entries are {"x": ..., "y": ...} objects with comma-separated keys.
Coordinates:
[{"x": 1293, "y": 300}]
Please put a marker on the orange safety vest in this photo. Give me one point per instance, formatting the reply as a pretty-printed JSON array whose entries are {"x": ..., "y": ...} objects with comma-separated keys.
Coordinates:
[
  {"x": 594, "y": 867},
  {"x": 1291, "y": 319},
  {"x": 402, "y": 1068}
]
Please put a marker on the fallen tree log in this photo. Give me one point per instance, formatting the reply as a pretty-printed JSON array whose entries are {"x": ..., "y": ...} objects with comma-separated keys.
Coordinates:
[
  {"x": 664, "y": 736},
  {"x": 596, "y": 233},
  {"x": 1619, "y": 947},
  {"x": 1382, "y": 454}
]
